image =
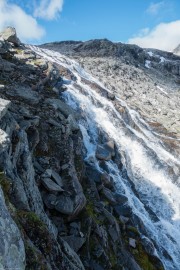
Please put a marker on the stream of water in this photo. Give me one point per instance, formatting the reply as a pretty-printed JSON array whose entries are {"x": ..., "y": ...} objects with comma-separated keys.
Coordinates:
[{"x": 144, "y": 157}]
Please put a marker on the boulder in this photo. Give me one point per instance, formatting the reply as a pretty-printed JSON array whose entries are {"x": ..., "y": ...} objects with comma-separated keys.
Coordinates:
[
  {"x": 132, "y": 242},
  {"x": 105, "y": 151},
  {"x": 57, "y": 104},
  {"x": 72, "y": 123},
  {"x": 111, "y": 96},
  {"x": 74, "y": 242},
  {"x": 49, "y": 200},
  {"x": 121, "y": 198},
  {"x": 107, "y": 181},
  {"x": 9, "y": 34},
  {"x": 64, "y": 205},
  {"x": 26, "y": 94},
  {"x": 109, "y": 195},
  {"x": 148, "y": 245},
  {"x": 102, "y": 153},
  {"x": 123, "y": 210},
  {"x": 57, "y": 178},
  {"x": 50, "y": 185},
  {"x": 49, "y": 173},
  {"x": 113, "y": 233}
]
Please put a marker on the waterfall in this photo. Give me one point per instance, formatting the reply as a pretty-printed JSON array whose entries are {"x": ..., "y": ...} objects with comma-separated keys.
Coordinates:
[{"x": 151, "y": 181}]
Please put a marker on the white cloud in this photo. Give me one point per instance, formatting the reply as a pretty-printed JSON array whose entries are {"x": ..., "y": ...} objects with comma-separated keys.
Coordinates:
[
  {"x": 48, "y": 9},
  {"x": 26, "y": 26},
  {"x": 165, "y": 36},
  {"x": 154, "y": 8}
]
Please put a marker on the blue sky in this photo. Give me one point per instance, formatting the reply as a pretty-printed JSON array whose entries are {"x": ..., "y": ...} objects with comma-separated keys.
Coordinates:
[{"x": 144, "y": 22}]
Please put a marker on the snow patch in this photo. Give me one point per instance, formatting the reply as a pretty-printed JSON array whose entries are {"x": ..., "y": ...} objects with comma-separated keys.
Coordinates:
[
  {"x": 162, "y": 90},
  {"x": 162, "y": 59},
  {"x": 150, "y": 53},
  {"x": 147, "y": 64}
]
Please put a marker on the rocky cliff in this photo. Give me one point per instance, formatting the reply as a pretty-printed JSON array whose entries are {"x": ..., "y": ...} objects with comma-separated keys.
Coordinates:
[{"x": 61, "y": 208}]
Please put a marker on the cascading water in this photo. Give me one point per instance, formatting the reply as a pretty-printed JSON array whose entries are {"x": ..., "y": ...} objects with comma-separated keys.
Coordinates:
[{"x": 154, "y": 197}]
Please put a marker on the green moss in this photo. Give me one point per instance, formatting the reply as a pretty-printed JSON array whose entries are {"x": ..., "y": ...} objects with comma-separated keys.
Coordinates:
[
  {"x": 4, "y": 82},
  {"x": 90, "y": 211},
  {"x": 36, "y": 230},
  {"x": 113, "y": 260},
  {"x": 34, "y": 259},
  {"x": 133, "y": 229},
  {"x": 146, "y": 261},
  {"x": 49, "y": 88}
]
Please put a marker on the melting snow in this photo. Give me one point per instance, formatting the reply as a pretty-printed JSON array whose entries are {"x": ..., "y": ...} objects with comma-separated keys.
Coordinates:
[
  {"x": 162, "y": 59},
  {"x": 147, "y": 64},
  {"x": 162, "y": 90},
  {"x": 150, "y": 53}
]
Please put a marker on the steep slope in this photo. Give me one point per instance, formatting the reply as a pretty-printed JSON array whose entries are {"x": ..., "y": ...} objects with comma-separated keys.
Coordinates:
[
  {"x": 148, "y": 80},
  {"x": 87, "y": 182}
]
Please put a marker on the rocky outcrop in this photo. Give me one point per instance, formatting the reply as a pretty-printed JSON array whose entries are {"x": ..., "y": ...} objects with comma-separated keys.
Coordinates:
[
  {"x": 9, "y": 34},
  {"x": 60, "y": 211}
]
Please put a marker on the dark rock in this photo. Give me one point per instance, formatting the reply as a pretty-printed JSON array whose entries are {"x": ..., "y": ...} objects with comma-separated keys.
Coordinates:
[
  {"x": 50, "y": 185},
  {"x": 50, "y": 200},
  {"x": 26, "y": 94},
  {"x": 57, "y": 104},
  {"x": 57, "y": 178},
  {"x": 105, "y": 151},
  {"x": 109, "y": 195},
  {"x": 70, "y": 253},
  {"x": 107, "y": 181},
  {"x": 64, "y": 205},
  {"x": 102, "y": 153},
  {"x": 148, "y": 245},
  {"x": 123, "y": 219},
  {"x": 120, "y": 198},
  {"x": 74, "y": 242},
  {"x": 123, "y": 210},
  {"x": 113, "y": 233},
  {"x": 96, "y": 266},
  {"x": 72, "y": 123},
  {"x": 111, "y": 96},
  {"x": 93, "y": 174}
]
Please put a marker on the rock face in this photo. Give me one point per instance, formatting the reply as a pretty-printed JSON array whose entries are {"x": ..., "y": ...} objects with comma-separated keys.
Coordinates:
[
  {"x": 9, "y": 34},
  {"x": 12, "y": 246},
  {"x": 58, "y": 210}
]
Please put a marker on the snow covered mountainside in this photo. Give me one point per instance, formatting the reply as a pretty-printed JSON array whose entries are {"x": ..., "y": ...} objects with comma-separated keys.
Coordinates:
[{"x": 89, "y": 167}]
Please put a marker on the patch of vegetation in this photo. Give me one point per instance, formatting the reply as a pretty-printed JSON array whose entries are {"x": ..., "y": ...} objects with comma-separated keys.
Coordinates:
[
  {"x": 36, "y": 230},
  {"x": 34, "y": 259},
  {"x": 145, "y": 261},
  {"x": 4, "y": 82}
]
